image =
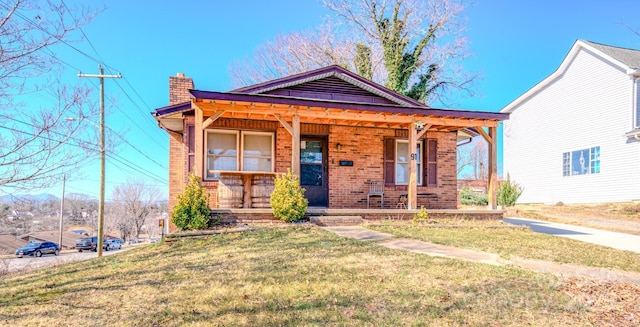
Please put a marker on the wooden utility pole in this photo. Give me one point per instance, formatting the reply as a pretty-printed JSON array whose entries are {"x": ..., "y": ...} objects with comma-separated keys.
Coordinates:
[
  {"x": 101, "y": 76},
  {"x": 64, "y": 178}
]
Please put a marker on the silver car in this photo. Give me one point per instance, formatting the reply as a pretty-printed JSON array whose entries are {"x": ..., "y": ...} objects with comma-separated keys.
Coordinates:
[{"x": 113, "y": 244}]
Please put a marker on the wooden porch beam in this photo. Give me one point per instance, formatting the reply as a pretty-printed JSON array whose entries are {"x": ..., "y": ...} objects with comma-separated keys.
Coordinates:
[
  {"x": 493, "y": 169},
  {"x": 412, "y": 189},
  {"x": 284, "y": 123},
  {"x": 212, "y": 119},
  {"x": 340, "y": 114},
  {"x": 484, "y": 135},
  {"x": 424, "y": 130},
  {"x": 199, "y": 140},
  {"x": 295, "y": 146}
]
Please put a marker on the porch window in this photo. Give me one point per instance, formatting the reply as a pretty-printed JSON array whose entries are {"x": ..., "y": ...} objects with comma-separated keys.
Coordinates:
[
  {"x": 403, "y": 158},
  {"x": 581, "y": 162},
  {"x": 257, "y": 151},
  {"x": 238, "y": 151},
  {"x": 397, "y": 159}
]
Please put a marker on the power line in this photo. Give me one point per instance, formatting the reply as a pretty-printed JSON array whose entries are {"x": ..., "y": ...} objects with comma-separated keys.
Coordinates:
[
  {"x": 113, "y": 156},
  {"x": 100, "y": 61},
  {"x": 80, "y": 140}
]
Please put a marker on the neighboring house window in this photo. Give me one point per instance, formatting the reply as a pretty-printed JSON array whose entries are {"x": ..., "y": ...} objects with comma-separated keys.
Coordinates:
[
  {"x": 581, "y": 162},
  {"x": 397, "y": 159},
  {"x": 403, "y": 159},
  {"x": 566, "y": 164},
  {"x": 238, "y": 151},
  {"x": 637, "y": 102}
]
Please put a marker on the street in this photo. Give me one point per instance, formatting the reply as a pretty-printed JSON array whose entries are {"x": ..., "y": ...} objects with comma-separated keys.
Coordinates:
[{"x": 13, "y": 264}]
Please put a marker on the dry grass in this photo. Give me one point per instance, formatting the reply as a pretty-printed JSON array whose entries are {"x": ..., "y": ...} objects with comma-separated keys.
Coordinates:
[
  {"x": 497, "y": 237},
  {"x": 289, "y": 277},
  {"x": 618, "y": 217}
]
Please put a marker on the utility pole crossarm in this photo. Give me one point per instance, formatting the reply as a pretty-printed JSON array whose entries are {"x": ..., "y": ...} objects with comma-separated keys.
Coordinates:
[{"x": 80, "y": 74}]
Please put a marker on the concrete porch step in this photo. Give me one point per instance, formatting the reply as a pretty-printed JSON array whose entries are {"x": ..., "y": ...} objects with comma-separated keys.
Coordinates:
[{"x": 336, "y": 220}]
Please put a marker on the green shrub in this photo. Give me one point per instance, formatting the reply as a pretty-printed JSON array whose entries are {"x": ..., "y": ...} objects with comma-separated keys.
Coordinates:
[
  {"x": 421, "y": 215},
  {"x": 509, "y": 192},
  {"x": 468, "y": 197},
  {"x": 192, "y": 210},
  {"x": 287, "y": 199}
]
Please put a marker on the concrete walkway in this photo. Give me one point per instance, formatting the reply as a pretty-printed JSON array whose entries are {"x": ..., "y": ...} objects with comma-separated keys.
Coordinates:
[
  {"x": 389, "y": 241},
  {"x": 620, "y": 241}
]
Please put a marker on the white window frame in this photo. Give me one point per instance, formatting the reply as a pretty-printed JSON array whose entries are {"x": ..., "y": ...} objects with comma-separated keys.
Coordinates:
[
  {"x": 567, "y": 162},
  {"x": 212, "y": 174},
  {"x": 419, "y": 168},
  {"x": 272, "y": 156}
]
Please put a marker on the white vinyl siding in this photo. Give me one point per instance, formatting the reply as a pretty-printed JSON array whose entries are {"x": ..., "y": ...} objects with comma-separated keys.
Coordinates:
[
  {"x": 587, "y": 106},
  {"x": 636, "y": 101}
]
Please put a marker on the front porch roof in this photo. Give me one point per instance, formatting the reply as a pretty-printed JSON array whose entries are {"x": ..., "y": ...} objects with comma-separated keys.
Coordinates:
[{"x": 265, "y": 107}]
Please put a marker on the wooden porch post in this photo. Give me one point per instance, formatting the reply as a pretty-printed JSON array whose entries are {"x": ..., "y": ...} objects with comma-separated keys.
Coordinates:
[
  {"x": 412, "y": 189},
  {"x": 493, "y": 169},
  {"x": 199, "y": 140},
  {"x": 295, "y": 146}
]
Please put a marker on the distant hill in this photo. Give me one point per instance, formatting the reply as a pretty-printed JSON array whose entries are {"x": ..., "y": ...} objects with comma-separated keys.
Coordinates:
[{"x": 42, "y": 197}]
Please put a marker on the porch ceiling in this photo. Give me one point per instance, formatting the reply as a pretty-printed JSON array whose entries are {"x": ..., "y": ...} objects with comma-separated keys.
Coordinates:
[{"x": 337, "y": 114}]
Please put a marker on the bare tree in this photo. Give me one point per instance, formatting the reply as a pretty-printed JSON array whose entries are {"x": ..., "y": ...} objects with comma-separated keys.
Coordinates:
[
  {"x": 137, "y": 201},
  {"x": 37, "y": 144},
  {"x": 79, "y": 207},
  {"x": 293, "y": 53},
  {"x": 414, "y": 47},
  {"x": 473, "y": 160}
]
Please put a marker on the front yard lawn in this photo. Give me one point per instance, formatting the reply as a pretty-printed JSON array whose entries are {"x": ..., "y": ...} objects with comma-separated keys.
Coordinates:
[
  {"x": 497, "y": 237},
  {"x": 302, "y": 276}
]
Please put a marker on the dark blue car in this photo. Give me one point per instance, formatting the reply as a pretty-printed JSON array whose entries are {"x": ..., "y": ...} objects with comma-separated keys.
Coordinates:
[{"x": 38, "y": 249}]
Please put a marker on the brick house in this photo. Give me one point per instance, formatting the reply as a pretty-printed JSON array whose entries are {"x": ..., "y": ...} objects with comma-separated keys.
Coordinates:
[{"x": 337, "y": 131}]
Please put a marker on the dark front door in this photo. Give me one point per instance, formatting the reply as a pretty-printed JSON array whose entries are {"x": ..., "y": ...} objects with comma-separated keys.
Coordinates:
[{"x": 313, "y": 170}]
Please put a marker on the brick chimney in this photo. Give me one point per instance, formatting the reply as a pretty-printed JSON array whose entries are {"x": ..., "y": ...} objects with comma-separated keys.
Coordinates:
[{"x": 179, "y": 87}]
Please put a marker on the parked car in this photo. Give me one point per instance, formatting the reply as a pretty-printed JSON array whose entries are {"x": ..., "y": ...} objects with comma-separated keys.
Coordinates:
[
  {"x": 38, "y": 249},
  {"x": 114, "y": 243},
  {"x": 90, "y": 243}
]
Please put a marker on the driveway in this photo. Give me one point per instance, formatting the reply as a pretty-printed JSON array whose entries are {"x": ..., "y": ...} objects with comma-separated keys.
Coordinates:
[{"x": 620, "y": 241}]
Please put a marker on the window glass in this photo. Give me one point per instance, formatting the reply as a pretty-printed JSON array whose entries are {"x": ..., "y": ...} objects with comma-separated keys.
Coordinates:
[
  {"x": 222, "y": 149},
  {"x": 238, "y": 151},
  {"x": 403, "y": 157},
  {"x": 402, "y": 162},
  {"x": 566, "y": 164},
  {"x": 581, "y": 162},
  {"x": 311, "y": 163},
  {"x": 256, "y": 153}
]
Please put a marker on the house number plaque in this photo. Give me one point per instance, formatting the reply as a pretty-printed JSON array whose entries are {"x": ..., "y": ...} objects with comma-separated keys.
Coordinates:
[{"x": 414, "y": 156}]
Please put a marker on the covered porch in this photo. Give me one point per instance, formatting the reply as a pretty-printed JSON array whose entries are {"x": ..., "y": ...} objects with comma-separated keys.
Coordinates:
[
  {"x": 354, "y": 144},
  {"x": 292, "y": 115}
]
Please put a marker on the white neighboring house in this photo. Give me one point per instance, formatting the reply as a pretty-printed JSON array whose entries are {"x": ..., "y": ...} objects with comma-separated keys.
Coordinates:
[{"x": 575, "y": 136}]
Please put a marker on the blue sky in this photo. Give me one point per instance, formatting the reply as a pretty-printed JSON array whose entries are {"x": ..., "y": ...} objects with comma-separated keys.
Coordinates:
[{"x": 515, "y": 44}]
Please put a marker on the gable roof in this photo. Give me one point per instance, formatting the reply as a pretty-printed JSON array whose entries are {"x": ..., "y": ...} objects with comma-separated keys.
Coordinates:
[
  {"x": 626, "y": 59},
  {"x": 323, "y": 81},
  {"x": 9, "y": 243}
]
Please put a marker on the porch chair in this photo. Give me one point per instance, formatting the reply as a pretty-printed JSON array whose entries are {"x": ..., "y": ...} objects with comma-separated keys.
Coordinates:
[
  {"x": 376, "y": 188},
  {"x": 402, "y": 202}
]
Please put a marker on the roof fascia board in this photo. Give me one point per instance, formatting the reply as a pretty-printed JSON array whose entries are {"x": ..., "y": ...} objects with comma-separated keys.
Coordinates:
[
  {"x": 304, "y": 102},
  {"x": 579, "y": 45}
]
